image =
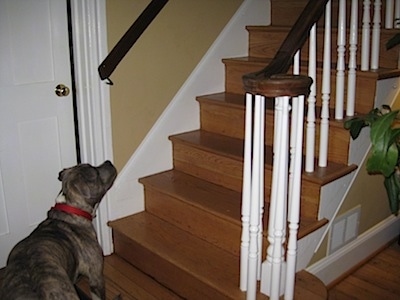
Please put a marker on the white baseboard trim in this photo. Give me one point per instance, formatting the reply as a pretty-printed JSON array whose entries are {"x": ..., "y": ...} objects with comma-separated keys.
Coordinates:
[{"x": 335, "y": 265}]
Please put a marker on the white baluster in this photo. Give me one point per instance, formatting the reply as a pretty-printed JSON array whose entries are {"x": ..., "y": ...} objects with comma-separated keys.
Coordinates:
[
  {"x": 365, "y": 39},
  {"x": 351, "y": 83},
  {"x": 326, "y": 89},
  {"x": 294, "y": 194},
  {"x": 255, "y": 201},
  {"x": 266, "y": 271},
  {"x": 246, "y": 194},
  {"x": 262, "y": 188},
  {"x": 376, "y": 34},
  {"x": 296, "y": 71},
  {"x": 312, "y": 70},
  {"x": 341, "y": 42},
  {"x": 389, "y": 14},
  {"x": 281, "y": 207},
  {"x": 273, "y": 271},
  {"x": 397, "y": 14},
  {"x": 296, "y": 63},
  {"x": 296, "y": 131}
]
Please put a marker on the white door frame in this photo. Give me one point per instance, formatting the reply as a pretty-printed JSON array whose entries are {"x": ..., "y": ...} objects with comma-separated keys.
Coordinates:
[{"x": 89, "y": 29}]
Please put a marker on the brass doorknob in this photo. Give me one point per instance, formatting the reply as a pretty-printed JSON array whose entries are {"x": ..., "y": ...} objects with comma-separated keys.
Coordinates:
[{"x": 61, "y": 90}]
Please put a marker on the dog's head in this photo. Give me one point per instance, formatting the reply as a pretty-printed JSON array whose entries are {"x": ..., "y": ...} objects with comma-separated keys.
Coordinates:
[{"x": 84, "y": 186}]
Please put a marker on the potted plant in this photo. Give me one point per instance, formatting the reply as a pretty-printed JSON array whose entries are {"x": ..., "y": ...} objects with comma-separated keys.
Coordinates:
[{"x": 385, "y": 139}]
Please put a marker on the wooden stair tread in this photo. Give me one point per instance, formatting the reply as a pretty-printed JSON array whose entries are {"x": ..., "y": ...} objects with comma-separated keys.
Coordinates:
[
  {"x": 233, "y": 148},
  {"x": 215, "y": 199},
  {"x": 123, "y": 279},
  {"x": 216, "y": 143},
  {"x": 223, "y": 98},
  {"x": 133, "y": 281},
  {"x": 196, "y": 257}
]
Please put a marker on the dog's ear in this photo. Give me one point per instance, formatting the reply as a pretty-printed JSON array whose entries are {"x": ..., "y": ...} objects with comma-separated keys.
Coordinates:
[
  {"x": 64, "y": 173},
  {"x": 61, "y": 174}
]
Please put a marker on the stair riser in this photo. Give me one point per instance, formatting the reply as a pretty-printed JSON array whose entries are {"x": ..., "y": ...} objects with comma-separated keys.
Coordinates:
[
  {"x": 219, "y": 119},
  {"x": 211, "y": 167},
  {"x": 227, "y": 172},
  {"x": 222, "y": 119},
  {"x": 365, "y": 84},
  {"x": 285, "y": 13},
  {"x": 202, "y": 223},
  {"x": 177, "y": 279},
  {"x": 265, "y": 42}
]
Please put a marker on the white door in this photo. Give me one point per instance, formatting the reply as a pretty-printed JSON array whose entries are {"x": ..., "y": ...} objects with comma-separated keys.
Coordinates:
[{"x": 37, "y": 137}]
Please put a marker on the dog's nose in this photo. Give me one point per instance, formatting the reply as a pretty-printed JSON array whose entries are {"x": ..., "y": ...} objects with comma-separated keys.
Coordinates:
[{"x": 107, "y": 162}]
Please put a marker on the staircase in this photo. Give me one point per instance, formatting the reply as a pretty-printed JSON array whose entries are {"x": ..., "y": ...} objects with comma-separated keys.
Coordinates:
[{"x": 188, "y": 237}]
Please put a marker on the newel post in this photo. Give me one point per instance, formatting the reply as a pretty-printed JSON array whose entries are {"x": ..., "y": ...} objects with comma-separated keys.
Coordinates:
[{"x": 276, "y": 272}]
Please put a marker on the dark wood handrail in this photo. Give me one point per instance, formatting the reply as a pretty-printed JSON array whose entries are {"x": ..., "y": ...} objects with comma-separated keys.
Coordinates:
[
  {"x": 112, "y": 60},
  {"x": 294, "y": 41}
]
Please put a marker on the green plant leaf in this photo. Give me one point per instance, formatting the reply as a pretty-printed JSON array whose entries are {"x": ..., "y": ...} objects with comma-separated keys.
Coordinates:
[
  {"x": 384, "y": 155},
  {"x": 385, "y": 142},
  {"x": 381, "y": 126},
  {"x": 355, "y": 126},
  {"x": 395, "y": 134},
  {"x": 383, "y": 161},
  {"x": 393, "y": 190}
]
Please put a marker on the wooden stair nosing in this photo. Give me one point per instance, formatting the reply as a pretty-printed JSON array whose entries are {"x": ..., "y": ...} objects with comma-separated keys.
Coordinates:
[{"x": 233, "y": 148}]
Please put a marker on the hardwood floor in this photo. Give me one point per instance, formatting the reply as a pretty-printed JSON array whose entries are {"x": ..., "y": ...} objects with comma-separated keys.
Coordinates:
[{"x": 379, "y": 278}]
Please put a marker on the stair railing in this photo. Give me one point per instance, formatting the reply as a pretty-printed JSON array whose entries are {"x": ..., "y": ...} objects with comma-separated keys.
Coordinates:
[
  {"x": 281, "y": 89},
  {"x": 109, "y": 64},
  {"x": 277, "y": 272}
]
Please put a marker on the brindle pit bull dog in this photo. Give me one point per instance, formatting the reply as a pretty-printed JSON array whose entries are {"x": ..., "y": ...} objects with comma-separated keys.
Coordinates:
[{"x": 48, "y": 263}]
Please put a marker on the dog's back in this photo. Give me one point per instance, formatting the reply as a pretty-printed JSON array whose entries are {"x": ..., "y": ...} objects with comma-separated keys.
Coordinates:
[
  {"x": 42, "y": 266},
  {"x": 11, "y": 289}
]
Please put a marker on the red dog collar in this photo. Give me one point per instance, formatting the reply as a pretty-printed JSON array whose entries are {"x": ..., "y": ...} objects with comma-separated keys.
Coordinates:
[{"x": 72, "y": 210}]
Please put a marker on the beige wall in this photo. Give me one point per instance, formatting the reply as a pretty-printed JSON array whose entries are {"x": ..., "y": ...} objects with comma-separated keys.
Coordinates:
[
  {"x": 369, "y": 192},
  {"x": 159, "y": 63}
]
